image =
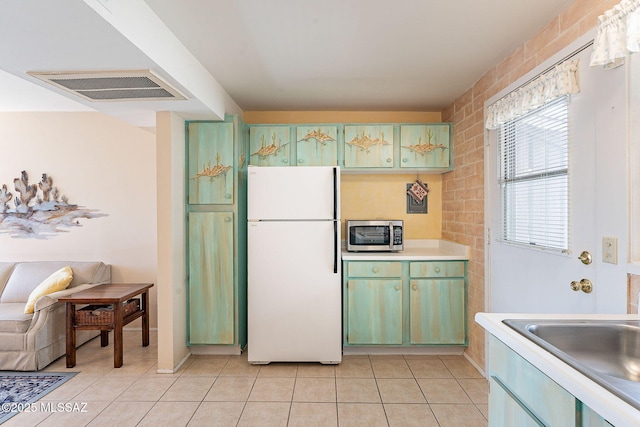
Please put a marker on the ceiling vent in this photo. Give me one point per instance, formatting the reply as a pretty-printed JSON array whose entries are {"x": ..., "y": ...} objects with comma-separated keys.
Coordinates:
[{"x": 99, "y": 86}]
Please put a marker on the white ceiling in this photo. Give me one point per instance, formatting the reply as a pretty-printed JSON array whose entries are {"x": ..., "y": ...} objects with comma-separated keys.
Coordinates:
[{"x": 416, "y": 55}]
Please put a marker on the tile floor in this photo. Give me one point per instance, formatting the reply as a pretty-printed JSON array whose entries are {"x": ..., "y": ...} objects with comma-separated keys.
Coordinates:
[{"x": 227, "y": 391}]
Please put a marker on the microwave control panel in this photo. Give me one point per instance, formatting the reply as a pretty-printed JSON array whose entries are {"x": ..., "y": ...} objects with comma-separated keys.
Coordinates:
[{"x": 397, "y": 235}]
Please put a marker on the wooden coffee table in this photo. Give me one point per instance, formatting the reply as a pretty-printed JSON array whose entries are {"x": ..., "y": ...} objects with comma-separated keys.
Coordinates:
[{"x": 109, "y": 296}]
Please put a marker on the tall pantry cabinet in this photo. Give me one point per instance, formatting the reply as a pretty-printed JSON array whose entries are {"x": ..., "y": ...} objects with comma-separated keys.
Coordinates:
[{"x": 216, "y": 233}]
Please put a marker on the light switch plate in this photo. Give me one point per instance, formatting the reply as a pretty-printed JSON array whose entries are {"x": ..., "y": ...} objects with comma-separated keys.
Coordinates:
[{"x": 610, "y": 250}]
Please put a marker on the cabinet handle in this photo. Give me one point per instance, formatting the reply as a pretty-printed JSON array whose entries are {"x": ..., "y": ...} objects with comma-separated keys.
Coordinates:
[
  {"x": 375, "y": 269},
  {"x": 300, "y": 161},
  {"x": 437, "y": 269},
  {"x": 389, "y": 160},
  {"x": 227, "y": 196},
  {"x": 285, "y": 160},
  {"x": 414, "y": 287},
  {"x": 227, "y": 219},
  {"x": 397, "y": 287},
  {"x": 405, "y": 160}
]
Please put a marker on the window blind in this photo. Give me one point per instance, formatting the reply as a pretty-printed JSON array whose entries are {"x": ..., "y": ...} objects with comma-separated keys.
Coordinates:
[{"x": 534, "y": 177}]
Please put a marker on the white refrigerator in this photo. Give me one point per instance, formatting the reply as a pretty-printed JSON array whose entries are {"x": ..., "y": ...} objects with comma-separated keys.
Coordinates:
[{"x": 294, "y": 291}]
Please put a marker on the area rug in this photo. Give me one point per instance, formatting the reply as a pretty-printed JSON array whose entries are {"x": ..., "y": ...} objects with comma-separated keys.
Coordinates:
[{"x": 19, "y": 389}]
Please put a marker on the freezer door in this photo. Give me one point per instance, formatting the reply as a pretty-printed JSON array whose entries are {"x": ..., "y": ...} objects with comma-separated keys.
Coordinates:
[
  {"x": 294, "y": 192},
  {"x": 294, "y": 293}
]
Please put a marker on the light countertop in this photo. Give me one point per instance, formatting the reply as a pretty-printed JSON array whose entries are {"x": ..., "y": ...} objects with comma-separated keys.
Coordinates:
[
  {"x": 415, "y": 250},
  {"x": 605, "y": 403}
]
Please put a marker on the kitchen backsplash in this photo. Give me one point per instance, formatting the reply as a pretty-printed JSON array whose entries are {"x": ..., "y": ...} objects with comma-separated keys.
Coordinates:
[{"x": 384, "y": 196}]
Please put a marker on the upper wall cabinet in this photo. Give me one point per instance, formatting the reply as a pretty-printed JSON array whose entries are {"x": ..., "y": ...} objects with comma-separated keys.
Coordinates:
[
  {"x": 368, "y": 146},
  {"x": 211, "y": 173},
  {"x": 425, "y": 146},
  {"x": 357, "y": 148},
  {"x": 317, "y": 145},
  {"x": 269, "y": 145}
]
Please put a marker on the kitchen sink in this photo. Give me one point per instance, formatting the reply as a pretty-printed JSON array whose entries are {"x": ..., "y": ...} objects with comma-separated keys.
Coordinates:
[{"x": 608, "y": 352}]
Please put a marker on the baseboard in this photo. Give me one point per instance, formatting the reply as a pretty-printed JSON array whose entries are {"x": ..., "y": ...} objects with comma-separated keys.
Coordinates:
[
  {"x": 175, "y": 368},
  {"x": 364, "y": 350},
  {"x": 215, "y": 349}
]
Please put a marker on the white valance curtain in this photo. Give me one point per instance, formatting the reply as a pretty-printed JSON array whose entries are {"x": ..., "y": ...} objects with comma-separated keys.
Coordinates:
[
  {"x": 559, "y": 81},
  {"x": 618, "y": 34}
]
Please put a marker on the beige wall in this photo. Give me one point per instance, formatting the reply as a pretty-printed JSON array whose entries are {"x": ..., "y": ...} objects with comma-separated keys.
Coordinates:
[
  {"x": 371, "y": 196},
  {"x": 463, "y": 189},
  {"x": 172, "y": 276},
  {"x": 99, "y": 163}
]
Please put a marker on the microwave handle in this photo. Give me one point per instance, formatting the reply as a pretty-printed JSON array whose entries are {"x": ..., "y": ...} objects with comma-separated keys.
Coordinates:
[{"x": 391, "y": 235}]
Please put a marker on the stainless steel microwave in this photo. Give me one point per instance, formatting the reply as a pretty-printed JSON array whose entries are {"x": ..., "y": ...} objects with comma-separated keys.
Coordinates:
[{"x": 375, "y": 235}]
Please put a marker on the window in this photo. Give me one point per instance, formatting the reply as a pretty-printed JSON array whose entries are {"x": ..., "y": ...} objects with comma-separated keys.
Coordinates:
[{"x": 533, "y": 176}]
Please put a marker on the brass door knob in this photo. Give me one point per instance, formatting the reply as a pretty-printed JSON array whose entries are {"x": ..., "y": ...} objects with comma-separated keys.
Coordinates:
[
  {"x": 583, "y": 285},
  {"x": 585, "y": 257}
]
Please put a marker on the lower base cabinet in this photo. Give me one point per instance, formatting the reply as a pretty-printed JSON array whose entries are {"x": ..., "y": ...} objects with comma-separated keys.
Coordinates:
[
  {"x": 437, "y": 310},
  {"x": 404, "y": 303},
  {"x": 521, "y": 395},
  {"x": 375, "y": 311},
  {"x": 211, "y": 278}
]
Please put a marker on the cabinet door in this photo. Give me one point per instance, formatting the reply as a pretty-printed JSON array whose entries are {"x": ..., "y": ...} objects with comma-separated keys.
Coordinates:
[
  {"x": 211, "y": 279},
  {"x": 505, "y": 411},
  {"x": 316, "y": 146},
  {"x": 552, "y": 404},
  {"x": 424, "y": 146},
  {"x": 374, "y": 311},
  {"x": 590, "y": 418},
  {"x": 437, "y": 311},
  {"x": 368, "y": 146},
  {"x": 269, "y": 145},
  {"x": 211, "y": 163}
]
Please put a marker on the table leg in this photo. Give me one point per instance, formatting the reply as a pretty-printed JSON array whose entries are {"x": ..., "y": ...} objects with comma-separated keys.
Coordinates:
[
  {"x": 71, "y": 335},
  {"x": 104, "y": 338},
  {"x": 118, "y": 314},
  {"x": 145, "y": 318}
]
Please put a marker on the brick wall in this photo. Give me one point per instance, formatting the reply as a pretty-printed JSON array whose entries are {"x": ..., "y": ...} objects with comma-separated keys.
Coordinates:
[{"x": 463, "y": 188}]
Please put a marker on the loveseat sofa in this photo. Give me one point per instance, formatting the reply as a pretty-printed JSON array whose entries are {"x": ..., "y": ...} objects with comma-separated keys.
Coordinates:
[{"x": 30, "y": 342}]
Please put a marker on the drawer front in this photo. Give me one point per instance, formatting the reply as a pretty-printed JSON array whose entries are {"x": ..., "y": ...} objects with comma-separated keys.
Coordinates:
[
  {"x": 436, "y": 269},
  {"x": 374, "y": 269}
]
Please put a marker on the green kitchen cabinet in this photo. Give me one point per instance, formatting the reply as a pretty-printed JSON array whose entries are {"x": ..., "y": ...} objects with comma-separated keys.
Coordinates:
[
  {"x": 211, "y": 278},
  {"x": 317, "y": 145},
  {"x": 522, "y": 395},
  {"x": 425, "y": 146},
  {"x": 368, "y": 146},
  {"x": 405, "y": 303},
  {"x": 437, "y": 302},
  {"x": 269, "y": 145},
  {"x": 374, "y": 303},
  {"x": 375, "y": 311},
  {"x": 438, "y": 311},
  {"x": 210, "y": 166},
  {"x": 216, "y": 173}
]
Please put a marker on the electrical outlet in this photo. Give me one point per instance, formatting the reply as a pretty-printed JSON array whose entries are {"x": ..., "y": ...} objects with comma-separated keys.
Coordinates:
[{"x": 610, "y": 250}]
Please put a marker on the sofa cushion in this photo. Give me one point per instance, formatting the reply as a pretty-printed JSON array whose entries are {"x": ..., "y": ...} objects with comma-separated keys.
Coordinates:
[
  {"x": 58, "y": 281},
  {"x": 5, "y": 271},
  {"x": 27, "y": 275},
  {"x": 13, "y": 319}
]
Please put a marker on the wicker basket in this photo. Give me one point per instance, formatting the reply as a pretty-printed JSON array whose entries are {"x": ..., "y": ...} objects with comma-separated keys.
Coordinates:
[{"x": 103, "y": 314}]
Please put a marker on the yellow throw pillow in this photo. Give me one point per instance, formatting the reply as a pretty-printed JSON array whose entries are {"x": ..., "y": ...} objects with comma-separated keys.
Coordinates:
[{"x": 56, "y": 282}]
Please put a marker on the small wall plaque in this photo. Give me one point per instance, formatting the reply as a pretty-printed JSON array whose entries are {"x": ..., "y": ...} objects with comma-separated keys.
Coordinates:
[{"x": 413, "y": 206}]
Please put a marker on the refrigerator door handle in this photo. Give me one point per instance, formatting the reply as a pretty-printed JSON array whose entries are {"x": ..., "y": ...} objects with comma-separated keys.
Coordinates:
[
  {"x": 335, "y": 194},
  {"x": 335, "y": 247}
]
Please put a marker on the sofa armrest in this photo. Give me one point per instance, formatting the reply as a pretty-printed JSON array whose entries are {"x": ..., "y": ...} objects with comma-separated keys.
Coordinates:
[{"x": 50, "y": 299}]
